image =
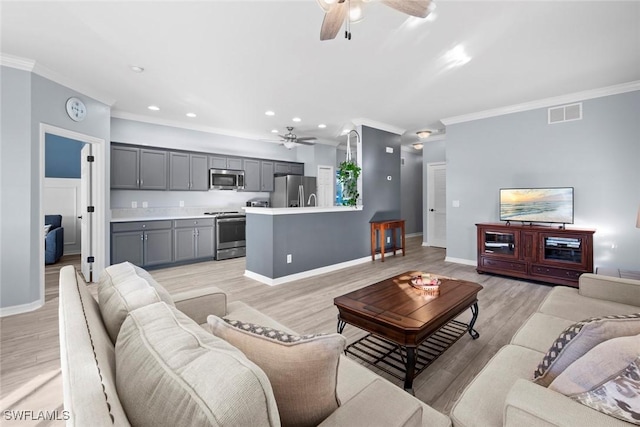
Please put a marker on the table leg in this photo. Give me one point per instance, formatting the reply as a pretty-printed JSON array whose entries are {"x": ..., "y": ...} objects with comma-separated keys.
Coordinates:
[
  {"x": 341, "y": 325},
  {"x": 382, "y": 233},
  {"x": 410, "y": 369},
  {"x": 373, "y": 242},
  {"x": 393, "y": 239},
  {"x": 474, "y": 310},
  {"x": 403, "y": 244}
]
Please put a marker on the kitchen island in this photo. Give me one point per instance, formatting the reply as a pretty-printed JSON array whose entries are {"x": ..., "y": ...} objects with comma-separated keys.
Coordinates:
[{"x": 286, "y": 244}]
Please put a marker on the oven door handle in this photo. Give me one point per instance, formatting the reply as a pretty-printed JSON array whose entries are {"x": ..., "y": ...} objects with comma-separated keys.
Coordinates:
[{"x": 231, "y": 220}]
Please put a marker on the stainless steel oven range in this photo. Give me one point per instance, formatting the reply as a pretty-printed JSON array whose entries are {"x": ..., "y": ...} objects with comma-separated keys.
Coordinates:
[{"x": 230, "y": 234}]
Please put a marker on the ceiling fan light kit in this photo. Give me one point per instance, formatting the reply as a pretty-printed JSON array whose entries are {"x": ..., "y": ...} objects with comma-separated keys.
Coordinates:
[{"x": 423, "y": 134}]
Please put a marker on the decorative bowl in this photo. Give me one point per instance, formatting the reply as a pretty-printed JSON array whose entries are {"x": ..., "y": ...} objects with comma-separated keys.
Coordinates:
[{"x": 429, "y": 285}]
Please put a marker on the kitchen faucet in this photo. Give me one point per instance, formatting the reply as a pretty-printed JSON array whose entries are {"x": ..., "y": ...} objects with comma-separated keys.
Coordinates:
[{"x": 315, "y": 200}]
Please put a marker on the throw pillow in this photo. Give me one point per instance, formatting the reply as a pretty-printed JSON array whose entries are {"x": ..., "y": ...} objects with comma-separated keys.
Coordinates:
[
  {"x": 123, "y": 288},
  {"x": 303, "y": 370},
  {"x": 618, "y": 397},
  {"x": 579, "y": 338},
  {"x": 171, "y": 372},
  {"x": 602, "y": 363},
  {"x": 47, "y": 228}
]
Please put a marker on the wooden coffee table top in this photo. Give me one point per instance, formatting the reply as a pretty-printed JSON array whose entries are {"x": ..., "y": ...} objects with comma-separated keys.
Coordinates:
[{"x": 396, "y": 310}]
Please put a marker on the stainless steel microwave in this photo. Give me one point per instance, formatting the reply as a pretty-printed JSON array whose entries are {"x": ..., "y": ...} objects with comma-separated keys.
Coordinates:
[{"x": 226, "y": 179}]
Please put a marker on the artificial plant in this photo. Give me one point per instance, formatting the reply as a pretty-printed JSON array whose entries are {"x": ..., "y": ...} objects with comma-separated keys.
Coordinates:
[{"x": 348, "y": 174}]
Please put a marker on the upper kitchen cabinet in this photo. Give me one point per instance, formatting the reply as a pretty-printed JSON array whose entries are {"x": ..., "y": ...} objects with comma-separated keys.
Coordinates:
[
  {"x": 188, "y": 171},
  {"x": 222, "y": 162},
  {"x": 251, "y": 174},
  {"x": 266, "y": 173},
  {"x": 281, "y": 168},
  {"x": 138, "y": 168}
]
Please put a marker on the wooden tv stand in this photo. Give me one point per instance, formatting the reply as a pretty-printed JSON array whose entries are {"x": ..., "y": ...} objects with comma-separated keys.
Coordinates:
[{"x": 543, "y": 253}]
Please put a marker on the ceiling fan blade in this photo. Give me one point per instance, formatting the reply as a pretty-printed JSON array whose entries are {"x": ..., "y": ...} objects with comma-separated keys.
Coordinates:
[
  {"x": 305, "y": 142},
  {"x": 306, "y": 138},
  {"x": 418, "y": 8},
  {"x": 333, "y": 21}
]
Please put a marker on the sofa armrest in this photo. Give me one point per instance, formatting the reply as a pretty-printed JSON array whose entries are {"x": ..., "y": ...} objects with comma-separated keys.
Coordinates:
[
  {"x": 377, "y": 404},
  {"x": 616, "y": 289},
  {"x": 533, "y": 405},
  {"x": 201, "y": 302}
]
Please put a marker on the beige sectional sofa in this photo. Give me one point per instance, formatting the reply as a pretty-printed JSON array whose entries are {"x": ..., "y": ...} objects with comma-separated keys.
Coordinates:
[
  {"x": 503, "y": 393},
  {"x": 144, "y": 357}
]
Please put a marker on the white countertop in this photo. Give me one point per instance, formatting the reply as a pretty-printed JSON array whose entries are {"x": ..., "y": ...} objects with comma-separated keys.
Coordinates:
[
  {"x": 161, "y": 218},
  {"x": 298, "y": 211}
]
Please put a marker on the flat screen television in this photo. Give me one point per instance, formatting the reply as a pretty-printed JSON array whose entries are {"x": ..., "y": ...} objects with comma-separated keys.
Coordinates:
[{"x": 549, "y": 205}]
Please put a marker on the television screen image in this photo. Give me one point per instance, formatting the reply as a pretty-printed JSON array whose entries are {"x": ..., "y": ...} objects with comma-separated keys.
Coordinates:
[{"x": 537, "y": 205}]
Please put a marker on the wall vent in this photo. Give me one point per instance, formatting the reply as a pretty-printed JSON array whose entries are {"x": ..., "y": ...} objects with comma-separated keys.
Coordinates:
[{"x": 565, "y": 113}]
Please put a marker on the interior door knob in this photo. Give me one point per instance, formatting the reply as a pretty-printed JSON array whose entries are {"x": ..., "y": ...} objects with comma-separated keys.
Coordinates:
[
  {"x": 432, "y": 210},
  {"x": 80, "y": 217}
]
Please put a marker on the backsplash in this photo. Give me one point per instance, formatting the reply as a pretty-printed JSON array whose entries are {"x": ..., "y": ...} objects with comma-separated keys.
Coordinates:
[
  {"x": 227, "y": 200},
  {"x": 142, "y": 213}
]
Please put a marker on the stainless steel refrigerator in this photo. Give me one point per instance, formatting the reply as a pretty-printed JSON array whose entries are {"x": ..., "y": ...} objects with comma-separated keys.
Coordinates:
[{"x": 294, "y": 191}]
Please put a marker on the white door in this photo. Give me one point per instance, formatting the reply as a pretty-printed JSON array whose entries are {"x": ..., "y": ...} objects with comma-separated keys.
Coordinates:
[
  {"x": 326, "y": 186},
  {"x": 86, "y": 217},
  {"x": 61, "y": 196},
  {"x": 437, "y": 205}
]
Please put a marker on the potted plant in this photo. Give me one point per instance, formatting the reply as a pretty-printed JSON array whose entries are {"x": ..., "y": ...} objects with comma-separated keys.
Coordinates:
[{"x": 348, "y": 174}]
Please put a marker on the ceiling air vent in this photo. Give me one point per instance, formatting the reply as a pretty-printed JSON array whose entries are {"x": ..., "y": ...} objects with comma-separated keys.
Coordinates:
[{"x": 565, "y": 113}]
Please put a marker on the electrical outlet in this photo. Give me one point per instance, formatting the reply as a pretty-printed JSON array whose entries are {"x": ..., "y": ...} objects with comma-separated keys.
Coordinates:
[
  {"x": 289, "y": 259},
  {"x": 182, "y": 203},
  {"x": 145, "y": 204},
  {"x": 134, "y": 205},
  {"x": 388, "y": 239}
]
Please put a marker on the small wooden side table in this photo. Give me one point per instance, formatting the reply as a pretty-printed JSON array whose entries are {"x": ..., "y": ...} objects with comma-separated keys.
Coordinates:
[{"x": 381, "y": 226}]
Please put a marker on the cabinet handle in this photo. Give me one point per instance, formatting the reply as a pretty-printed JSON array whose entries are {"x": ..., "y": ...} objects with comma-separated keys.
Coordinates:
[
  {"x": 141, "y": 182},
  {"x": 142, "y": 236},
  {"x": 146, "y": 237}
]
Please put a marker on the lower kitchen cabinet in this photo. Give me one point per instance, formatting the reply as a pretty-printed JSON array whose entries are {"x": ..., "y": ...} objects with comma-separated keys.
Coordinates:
[
  {"x": 193, "y": 239},
  {"x": 143, "y": 243}
]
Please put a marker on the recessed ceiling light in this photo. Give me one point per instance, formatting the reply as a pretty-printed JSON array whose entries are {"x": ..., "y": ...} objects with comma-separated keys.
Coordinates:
[
  {"x": 191, "y": 114},
  {"x": 322, "y": 126},
  {"x": 274, "y": 130},
  {"x": 153, "y": 108},
  {"x": 136, "y": 69},
  {"x": 269, "y": 113},
  {"x": 297, "y": 119}
]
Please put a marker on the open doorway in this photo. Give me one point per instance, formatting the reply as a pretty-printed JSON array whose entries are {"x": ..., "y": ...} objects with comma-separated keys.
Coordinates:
[{"x": 89, "y": 196}]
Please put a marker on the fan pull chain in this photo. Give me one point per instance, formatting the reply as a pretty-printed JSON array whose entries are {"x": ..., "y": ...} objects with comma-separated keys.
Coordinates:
[{"x": 347, "y": 32}]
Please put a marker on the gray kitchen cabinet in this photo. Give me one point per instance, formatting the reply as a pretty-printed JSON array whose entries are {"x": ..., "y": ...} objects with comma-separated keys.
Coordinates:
[
  {"x": 222, "y": 162},
  {"x": 266, "y": 174},
  {"x": 288, "y": 168},
  {"x": 297, "y": 169},
  {"x": 193, "y": 239},
  {"x": 188, "y": 171},
  {"x": 143, "y": 243},
  {"x": 251, "y": 174},
  {"x": 138, "y": 168}
]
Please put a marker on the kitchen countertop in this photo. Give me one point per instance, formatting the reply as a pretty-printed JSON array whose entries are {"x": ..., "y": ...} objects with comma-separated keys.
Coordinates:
[
  {"x": 298, "y": 211},
  {"x": 161, "y": 218}
]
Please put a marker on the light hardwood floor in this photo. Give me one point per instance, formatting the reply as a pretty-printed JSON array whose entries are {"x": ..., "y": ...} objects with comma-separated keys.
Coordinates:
[{"x": 29, "y": 348}]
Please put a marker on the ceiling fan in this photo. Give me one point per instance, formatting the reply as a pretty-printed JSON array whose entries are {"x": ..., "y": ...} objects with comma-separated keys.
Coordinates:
[
  {"x": 337, "y": 11},
  {"x": 290, "y": 139}
]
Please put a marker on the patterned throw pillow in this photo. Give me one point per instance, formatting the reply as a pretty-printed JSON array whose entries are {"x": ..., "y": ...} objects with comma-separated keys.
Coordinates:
[
  {"x": 302, "y": 370},
  {"x": 579, "y": 338},
  {"x": 618, "y": 397}
]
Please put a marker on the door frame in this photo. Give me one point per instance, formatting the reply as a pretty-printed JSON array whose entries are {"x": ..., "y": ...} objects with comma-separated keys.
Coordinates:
[
  {"x": 99, "y": 191},
  {"x": 430, "y": 195}
]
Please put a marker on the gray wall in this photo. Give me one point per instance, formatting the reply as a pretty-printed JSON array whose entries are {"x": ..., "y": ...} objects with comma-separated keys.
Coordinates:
[
  {"x": 411, "y": 191},
  {"x": 598, "y": 156},
  {"x": 27, "y": 101}
]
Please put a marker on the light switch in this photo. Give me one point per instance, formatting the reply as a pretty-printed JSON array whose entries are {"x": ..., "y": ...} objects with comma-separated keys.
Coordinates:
[
  {"x": 134, "y": 204},
  {"x": 389, "y": 149},
  {"x": 455, "y": 203},
  {"x": 145, "y": 204}
]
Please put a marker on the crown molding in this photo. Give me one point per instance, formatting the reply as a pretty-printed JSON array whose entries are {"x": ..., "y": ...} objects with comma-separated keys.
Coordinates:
[
  {"x": 39, "y": 69},
  {"x": 545, "y": 103},
  {"x": 378, "y": 125},
  {"x": 16, "y": 62},
  {"x": 182, "y": 125}
]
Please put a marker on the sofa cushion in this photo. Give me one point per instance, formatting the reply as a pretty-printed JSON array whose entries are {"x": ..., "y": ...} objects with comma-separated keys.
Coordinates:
[
  {"x": 540, "y": 331},
  {"x": 619, "y": 396},
  {"x": 303, "y": 370},
  {"x": 482, "y": 402},
  {"x": 125, "y": 287},
  {"x": 579, "y": 338},
  {"x": 600, "y": 364},
  {"x": 163, "y": 356},
  {"x": 567, "y": 303}
]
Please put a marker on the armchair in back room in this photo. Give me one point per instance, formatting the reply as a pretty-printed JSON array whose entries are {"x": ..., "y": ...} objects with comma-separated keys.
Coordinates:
[{"x": 54, "y": 239}]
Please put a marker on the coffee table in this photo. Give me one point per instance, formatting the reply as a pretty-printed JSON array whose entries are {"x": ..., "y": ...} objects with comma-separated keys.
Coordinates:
[{"x": 398, "y": 313}]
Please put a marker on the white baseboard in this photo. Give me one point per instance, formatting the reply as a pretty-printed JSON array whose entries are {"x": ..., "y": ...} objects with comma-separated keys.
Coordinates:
[
  {"x": 22, "y": 308},
  {"x": 461, "y": 261},
  {"x": 413, "y": 234},
  {"x": 310, "y": 273}
]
